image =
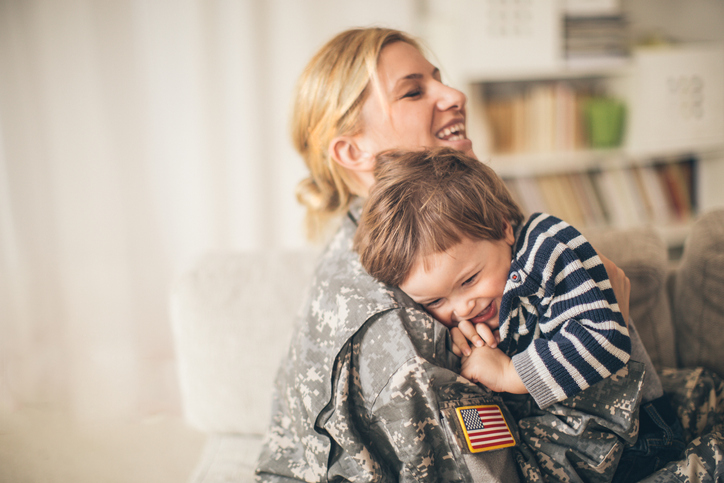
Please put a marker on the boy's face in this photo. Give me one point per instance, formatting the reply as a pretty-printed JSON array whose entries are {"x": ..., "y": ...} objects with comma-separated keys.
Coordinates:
[{"x": 465, "y": 282}]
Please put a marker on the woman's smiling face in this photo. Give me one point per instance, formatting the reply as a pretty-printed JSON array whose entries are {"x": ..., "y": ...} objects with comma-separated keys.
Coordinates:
[{"x": 410, "y": 107}]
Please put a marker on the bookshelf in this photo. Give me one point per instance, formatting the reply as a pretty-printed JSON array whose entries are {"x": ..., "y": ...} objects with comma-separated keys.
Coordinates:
[
  {"x": 619, "y": 193},
  {"x": 538, "y": 134},
  {"x": 533, "y": 75}
]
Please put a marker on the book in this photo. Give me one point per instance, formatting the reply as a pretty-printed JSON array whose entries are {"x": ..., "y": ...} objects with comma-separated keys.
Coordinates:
[
  {"x": 640, "y": 187},
  {"x": 639, "y": 206},
  {"x": 565, "y": 117},
  {"x": 591, "y": 213},
  {"x": 676, "y": 182},
  {"x": 530, "y": 195},
  {"x": 611, "y": 198},
  {"x": 573, "y": 204},
  {"x": 500, "y": 122},
  {"x": 653, "y": 188}
]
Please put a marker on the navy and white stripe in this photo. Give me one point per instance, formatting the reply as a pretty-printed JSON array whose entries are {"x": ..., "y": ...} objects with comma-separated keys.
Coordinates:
[{"x": 559, "y": 319}]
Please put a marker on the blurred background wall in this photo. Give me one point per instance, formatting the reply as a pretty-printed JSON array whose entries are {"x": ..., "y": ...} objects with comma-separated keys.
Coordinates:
[{"x": 136, "y": 135}]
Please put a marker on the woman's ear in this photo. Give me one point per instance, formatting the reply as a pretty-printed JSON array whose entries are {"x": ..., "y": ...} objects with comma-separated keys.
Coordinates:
[{"x": 346, "y": 152}]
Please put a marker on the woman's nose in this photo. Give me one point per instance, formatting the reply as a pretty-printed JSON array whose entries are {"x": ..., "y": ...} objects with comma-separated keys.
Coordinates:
[{"x": 450, "y": 98}]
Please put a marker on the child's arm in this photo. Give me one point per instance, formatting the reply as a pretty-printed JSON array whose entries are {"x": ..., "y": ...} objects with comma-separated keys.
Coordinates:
[
  {"x": 584, "y": 337},
  {"x": 493, "y": 369}
]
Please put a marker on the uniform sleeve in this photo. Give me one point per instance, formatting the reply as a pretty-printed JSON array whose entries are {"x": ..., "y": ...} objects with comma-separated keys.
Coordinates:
[
  {"x": 583, "y": 335},
  {"x": 405, "y": 384}
]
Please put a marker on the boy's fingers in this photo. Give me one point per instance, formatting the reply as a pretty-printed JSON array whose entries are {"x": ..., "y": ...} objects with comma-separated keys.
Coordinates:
[
  {"x": 484, "y": 331},
  {"x": 468, "y": 330},
  {"x": 460, "y": 343}
]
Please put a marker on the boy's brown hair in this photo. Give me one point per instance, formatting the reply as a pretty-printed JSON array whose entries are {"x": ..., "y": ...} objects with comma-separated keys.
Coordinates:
[{"x": 425, "y": 202}]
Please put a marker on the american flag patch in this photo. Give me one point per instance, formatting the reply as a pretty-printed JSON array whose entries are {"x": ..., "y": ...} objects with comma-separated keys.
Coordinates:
[{"x": 484, "y": 428}]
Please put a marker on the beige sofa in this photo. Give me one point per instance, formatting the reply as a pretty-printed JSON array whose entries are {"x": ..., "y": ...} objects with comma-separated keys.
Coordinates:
[{"x": 232, "y": 317}]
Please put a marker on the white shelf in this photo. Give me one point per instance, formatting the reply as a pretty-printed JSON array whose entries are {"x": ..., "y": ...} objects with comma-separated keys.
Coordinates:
[
  {"x": 537, "y": 164},
  {"x": 576, "y": 69}
]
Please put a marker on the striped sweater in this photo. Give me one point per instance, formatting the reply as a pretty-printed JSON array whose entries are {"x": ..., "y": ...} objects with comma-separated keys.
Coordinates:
[{"x": 559, "y": 319}]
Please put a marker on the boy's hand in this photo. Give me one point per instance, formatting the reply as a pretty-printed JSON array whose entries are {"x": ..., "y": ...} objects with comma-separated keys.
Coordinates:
[
  {"x": 478, "y": 334},
  {"x": 493, "y": 369}
]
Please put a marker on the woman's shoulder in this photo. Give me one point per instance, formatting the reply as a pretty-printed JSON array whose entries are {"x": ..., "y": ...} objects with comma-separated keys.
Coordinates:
[
  {"x": 342, "y": 296},
  {"x": 339, "y": 274}
]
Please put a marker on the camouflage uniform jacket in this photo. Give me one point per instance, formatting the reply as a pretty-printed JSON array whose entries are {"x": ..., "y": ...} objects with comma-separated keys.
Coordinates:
[{"x": 369, "y": 388}]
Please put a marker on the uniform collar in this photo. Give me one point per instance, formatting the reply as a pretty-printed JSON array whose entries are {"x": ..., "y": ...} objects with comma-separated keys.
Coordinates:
[{"x": 355, "y": 210}]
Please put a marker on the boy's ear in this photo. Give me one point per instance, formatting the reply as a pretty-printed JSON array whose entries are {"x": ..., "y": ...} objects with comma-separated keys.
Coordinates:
[
  {"x": 509, "y": 235},
  {"x": 346, "y": 152}
]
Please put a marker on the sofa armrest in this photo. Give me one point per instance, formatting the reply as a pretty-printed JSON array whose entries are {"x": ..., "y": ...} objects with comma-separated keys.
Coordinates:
[
  {"x": 232, "y": 317},
  {"x": 697, "y": 295}
]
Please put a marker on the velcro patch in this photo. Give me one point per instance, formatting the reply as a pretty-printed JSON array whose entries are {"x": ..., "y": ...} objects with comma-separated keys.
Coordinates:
[{"x": 484, "y": 428}]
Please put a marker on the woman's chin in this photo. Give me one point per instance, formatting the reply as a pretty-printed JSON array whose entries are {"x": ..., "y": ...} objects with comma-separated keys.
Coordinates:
[{"x": 464, "y": 145}]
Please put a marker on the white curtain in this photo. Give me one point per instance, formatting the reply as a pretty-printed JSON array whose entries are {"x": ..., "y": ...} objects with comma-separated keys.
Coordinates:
[{"x": 135, "y": 135}]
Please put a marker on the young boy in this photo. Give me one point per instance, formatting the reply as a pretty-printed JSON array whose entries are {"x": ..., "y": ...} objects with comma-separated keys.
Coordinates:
[{"x": 444, "y": 228}]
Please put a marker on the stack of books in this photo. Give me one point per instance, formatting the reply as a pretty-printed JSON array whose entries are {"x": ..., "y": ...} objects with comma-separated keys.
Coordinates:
[
  {"x": 540, "y": 117},
  {"x": 661, "y": 193},
  {"x": 596, "y": 40}
]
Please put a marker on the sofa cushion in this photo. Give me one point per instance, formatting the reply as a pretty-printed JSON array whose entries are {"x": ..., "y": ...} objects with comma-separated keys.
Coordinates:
[
  {"x": 232, "y": 316},
  {"x": 642, "y": 254},
  {"x": 698, "y": 295}
]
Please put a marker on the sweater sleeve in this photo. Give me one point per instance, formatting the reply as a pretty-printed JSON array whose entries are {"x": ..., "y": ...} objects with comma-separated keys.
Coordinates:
[{"x": 583, "y": 337}]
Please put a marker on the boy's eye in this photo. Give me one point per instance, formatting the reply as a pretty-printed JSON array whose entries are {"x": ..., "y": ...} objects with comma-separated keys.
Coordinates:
[
  {"x": 470, "y": 280},
  {"x": 433, "y": 304}
]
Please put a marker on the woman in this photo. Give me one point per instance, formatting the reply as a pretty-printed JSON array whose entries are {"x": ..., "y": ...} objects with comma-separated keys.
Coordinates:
[
  {"x": 369, "y": 374},
  {"x": 369, "y": 390}
]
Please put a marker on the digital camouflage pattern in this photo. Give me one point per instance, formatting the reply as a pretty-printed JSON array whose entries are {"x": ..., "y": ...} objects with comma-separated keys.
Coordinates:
[
  {"x": 582, "y": 438},
  {"x": 696, "y": 394},
  {"x": 698, "y": 397}
]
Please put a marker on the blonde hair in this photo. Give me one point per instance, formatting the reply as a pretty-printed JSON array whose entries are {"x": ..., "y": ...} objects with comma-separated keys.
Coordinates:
[
  {"x": 425, "y": 202},
  {"x": 328, "y": 101}
]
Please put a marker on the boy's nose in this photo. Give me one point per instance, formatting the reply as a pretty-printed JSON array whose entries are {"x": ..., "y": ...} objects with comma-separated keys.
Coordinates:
[{"x": 463, "y": 307}]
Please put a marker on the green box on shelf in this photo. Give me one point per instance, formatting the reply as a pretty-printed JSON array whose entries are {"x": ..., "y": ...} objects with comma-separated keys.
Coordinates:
[{"x": 605, "y": 118}]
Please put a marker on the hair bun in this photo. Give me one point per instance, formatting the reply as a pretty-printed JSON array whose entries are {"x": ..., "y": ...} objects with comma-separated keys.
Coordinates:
[{"x": 309, "y": 195}]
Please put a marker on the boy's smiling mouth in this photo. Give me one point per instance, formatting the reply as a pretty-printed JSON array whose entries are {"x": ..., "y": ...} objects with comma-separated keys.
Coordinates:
[{"x": 486, "y": 315}]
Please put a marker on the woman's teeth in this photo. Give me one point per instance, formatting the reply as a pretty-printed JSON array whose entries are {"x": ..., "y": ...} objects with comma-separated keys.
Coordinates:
[{"x": 452, "y": 133}]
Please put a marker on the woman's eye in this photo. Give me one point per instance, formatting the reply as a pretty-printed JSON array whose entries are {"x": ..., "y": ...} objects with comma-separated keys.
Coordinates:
[{"x": 413, "y": 93}]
